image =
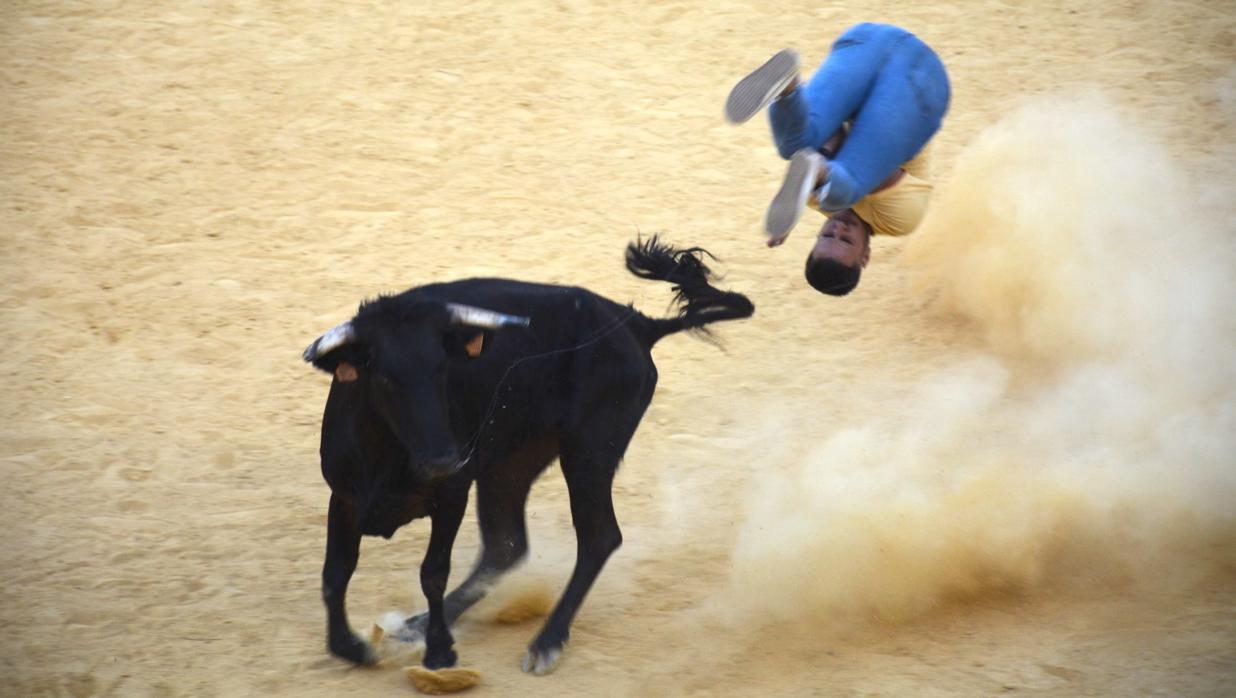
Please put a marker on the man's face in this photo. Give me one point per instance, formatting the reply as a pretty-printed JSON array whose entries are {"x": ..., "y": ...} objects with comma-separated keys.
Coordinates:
[{"x": 843, "y": 239}]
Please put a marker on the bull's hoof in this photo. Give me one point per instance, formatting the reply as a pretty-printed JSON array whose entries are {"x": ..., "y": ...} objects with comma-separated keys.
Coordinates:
[
  {"x": 440, "y": 659},
  {"x": 354, "y": 650},
  {"x": 541, "y": 661}
]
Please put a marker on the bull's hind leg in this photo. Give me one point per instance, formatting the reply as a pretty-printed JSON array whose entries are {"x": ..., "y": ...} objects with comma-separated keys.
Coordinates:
[
  {"x": 501, "y": 495},
  {"x": 589, "y": 461},
  {"x": 342, "y": 553}
]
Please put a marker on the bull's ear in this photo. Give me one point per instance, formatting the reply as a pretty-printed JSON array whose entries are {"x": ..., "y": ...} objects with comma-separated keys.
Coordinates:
[
  {"x": 346, "y": 372},
  {"x": 466, "y": 343}
]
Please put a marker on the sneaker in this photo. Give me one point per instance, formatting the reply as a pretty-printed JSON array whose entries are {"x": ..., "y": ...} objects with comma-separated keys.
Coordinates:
[
  {"x": 761, "y": 87},
  {"x": 790, "y": 200}
]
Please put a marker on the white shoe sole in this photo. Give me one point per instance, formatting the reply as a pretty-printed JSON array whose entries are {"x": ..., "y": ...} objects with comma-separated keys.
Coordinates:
[
  {"x": 761, "y": 87},
  {"x": 787, "y": 206}
]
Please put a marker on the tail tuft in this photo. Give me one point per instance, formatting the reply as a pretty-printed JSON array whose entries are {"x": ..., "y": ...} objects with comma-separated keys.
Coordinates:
[{"x": 699, "y": 302}]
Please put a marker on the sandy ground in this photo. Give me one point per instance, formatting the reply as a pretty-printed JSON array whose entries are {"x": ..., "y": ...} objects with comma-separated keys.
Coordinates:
[{"x": 192, "y": 192}]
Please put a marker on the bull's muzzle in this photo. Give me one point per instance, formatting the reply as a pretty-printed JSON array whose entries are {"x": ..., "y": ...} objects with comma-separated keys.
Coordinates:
[{"x": 440, "y": 466}]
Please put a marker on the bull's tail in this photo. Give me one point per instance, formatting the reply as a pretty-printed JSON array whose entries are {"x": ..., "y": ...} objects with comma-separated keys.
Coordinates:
[{"x": 699, "y": 302}]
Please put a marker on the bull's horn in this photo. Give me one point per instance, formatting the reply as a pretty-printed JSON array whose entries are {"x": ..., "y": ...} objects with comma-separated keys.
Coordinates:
[
  {"x": 485, "y": 319},
  {"x": 334, "y": 338}
]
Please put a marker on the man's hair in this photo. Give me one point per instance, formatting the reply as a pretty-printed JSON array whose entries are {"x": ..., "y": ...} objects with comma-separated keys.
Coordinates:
[{"x": 832, "y": 277}]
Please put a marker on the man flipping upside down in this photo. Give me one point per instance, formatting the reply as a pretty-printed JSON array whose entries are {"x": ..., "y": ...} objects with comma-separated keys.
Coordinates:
[{"x": 856, "y": 137}]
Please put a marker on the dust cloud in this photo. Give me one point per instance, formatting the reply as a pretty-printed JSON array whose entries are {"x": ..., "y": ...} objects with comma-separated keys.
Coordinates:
[{"x": 1088, "y": 438}]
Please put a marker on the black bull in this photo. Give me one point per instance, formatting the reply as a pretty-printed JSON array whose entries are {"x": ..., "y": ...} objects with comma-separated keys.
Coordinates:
[{"x": 489, "y": 380}]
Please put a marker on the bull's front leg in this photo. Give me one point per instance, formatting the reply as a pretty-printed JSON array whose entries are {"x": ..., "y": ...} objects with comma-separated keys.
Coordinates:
[
  {"x": 342, "y": 553},
  {"x": 446, "y": 513}
]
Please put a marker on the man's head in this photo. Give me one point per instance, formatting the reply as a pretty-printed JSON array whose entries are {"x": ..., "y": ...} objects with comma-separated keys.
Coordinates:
[{"x": 840, "y": 253}]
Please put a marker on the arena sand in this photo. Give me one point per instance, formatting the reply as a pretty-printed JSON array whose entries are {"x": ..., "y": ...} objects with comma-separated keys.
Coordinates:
[{"x": 1003, "y": 466}]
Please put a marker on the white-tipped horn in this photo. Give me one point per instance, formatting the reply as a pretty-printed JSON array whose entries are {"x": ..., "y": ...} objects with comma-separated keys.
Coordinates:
[
  {"x": 334, "y": 338},
  {"x": 485, "y": 319}
]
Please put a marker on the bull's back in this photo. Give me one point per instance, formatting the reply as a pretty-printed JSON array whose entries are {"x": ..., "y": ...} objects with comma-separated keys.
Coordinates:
[
  {"x": 528, "y": 379},
  {"x": 558, "y": 314}
]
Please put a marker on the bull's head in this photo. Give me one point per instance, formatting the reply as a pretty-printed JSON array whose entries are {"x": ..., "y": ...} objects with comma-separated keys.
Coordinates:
[{"x": 400, "y": 359}]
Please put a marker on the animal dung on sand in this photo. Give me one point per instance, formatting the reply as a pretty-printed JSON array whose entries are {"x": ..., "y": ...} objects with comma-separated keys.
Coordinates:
[{"x": 440, "y": 681}]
